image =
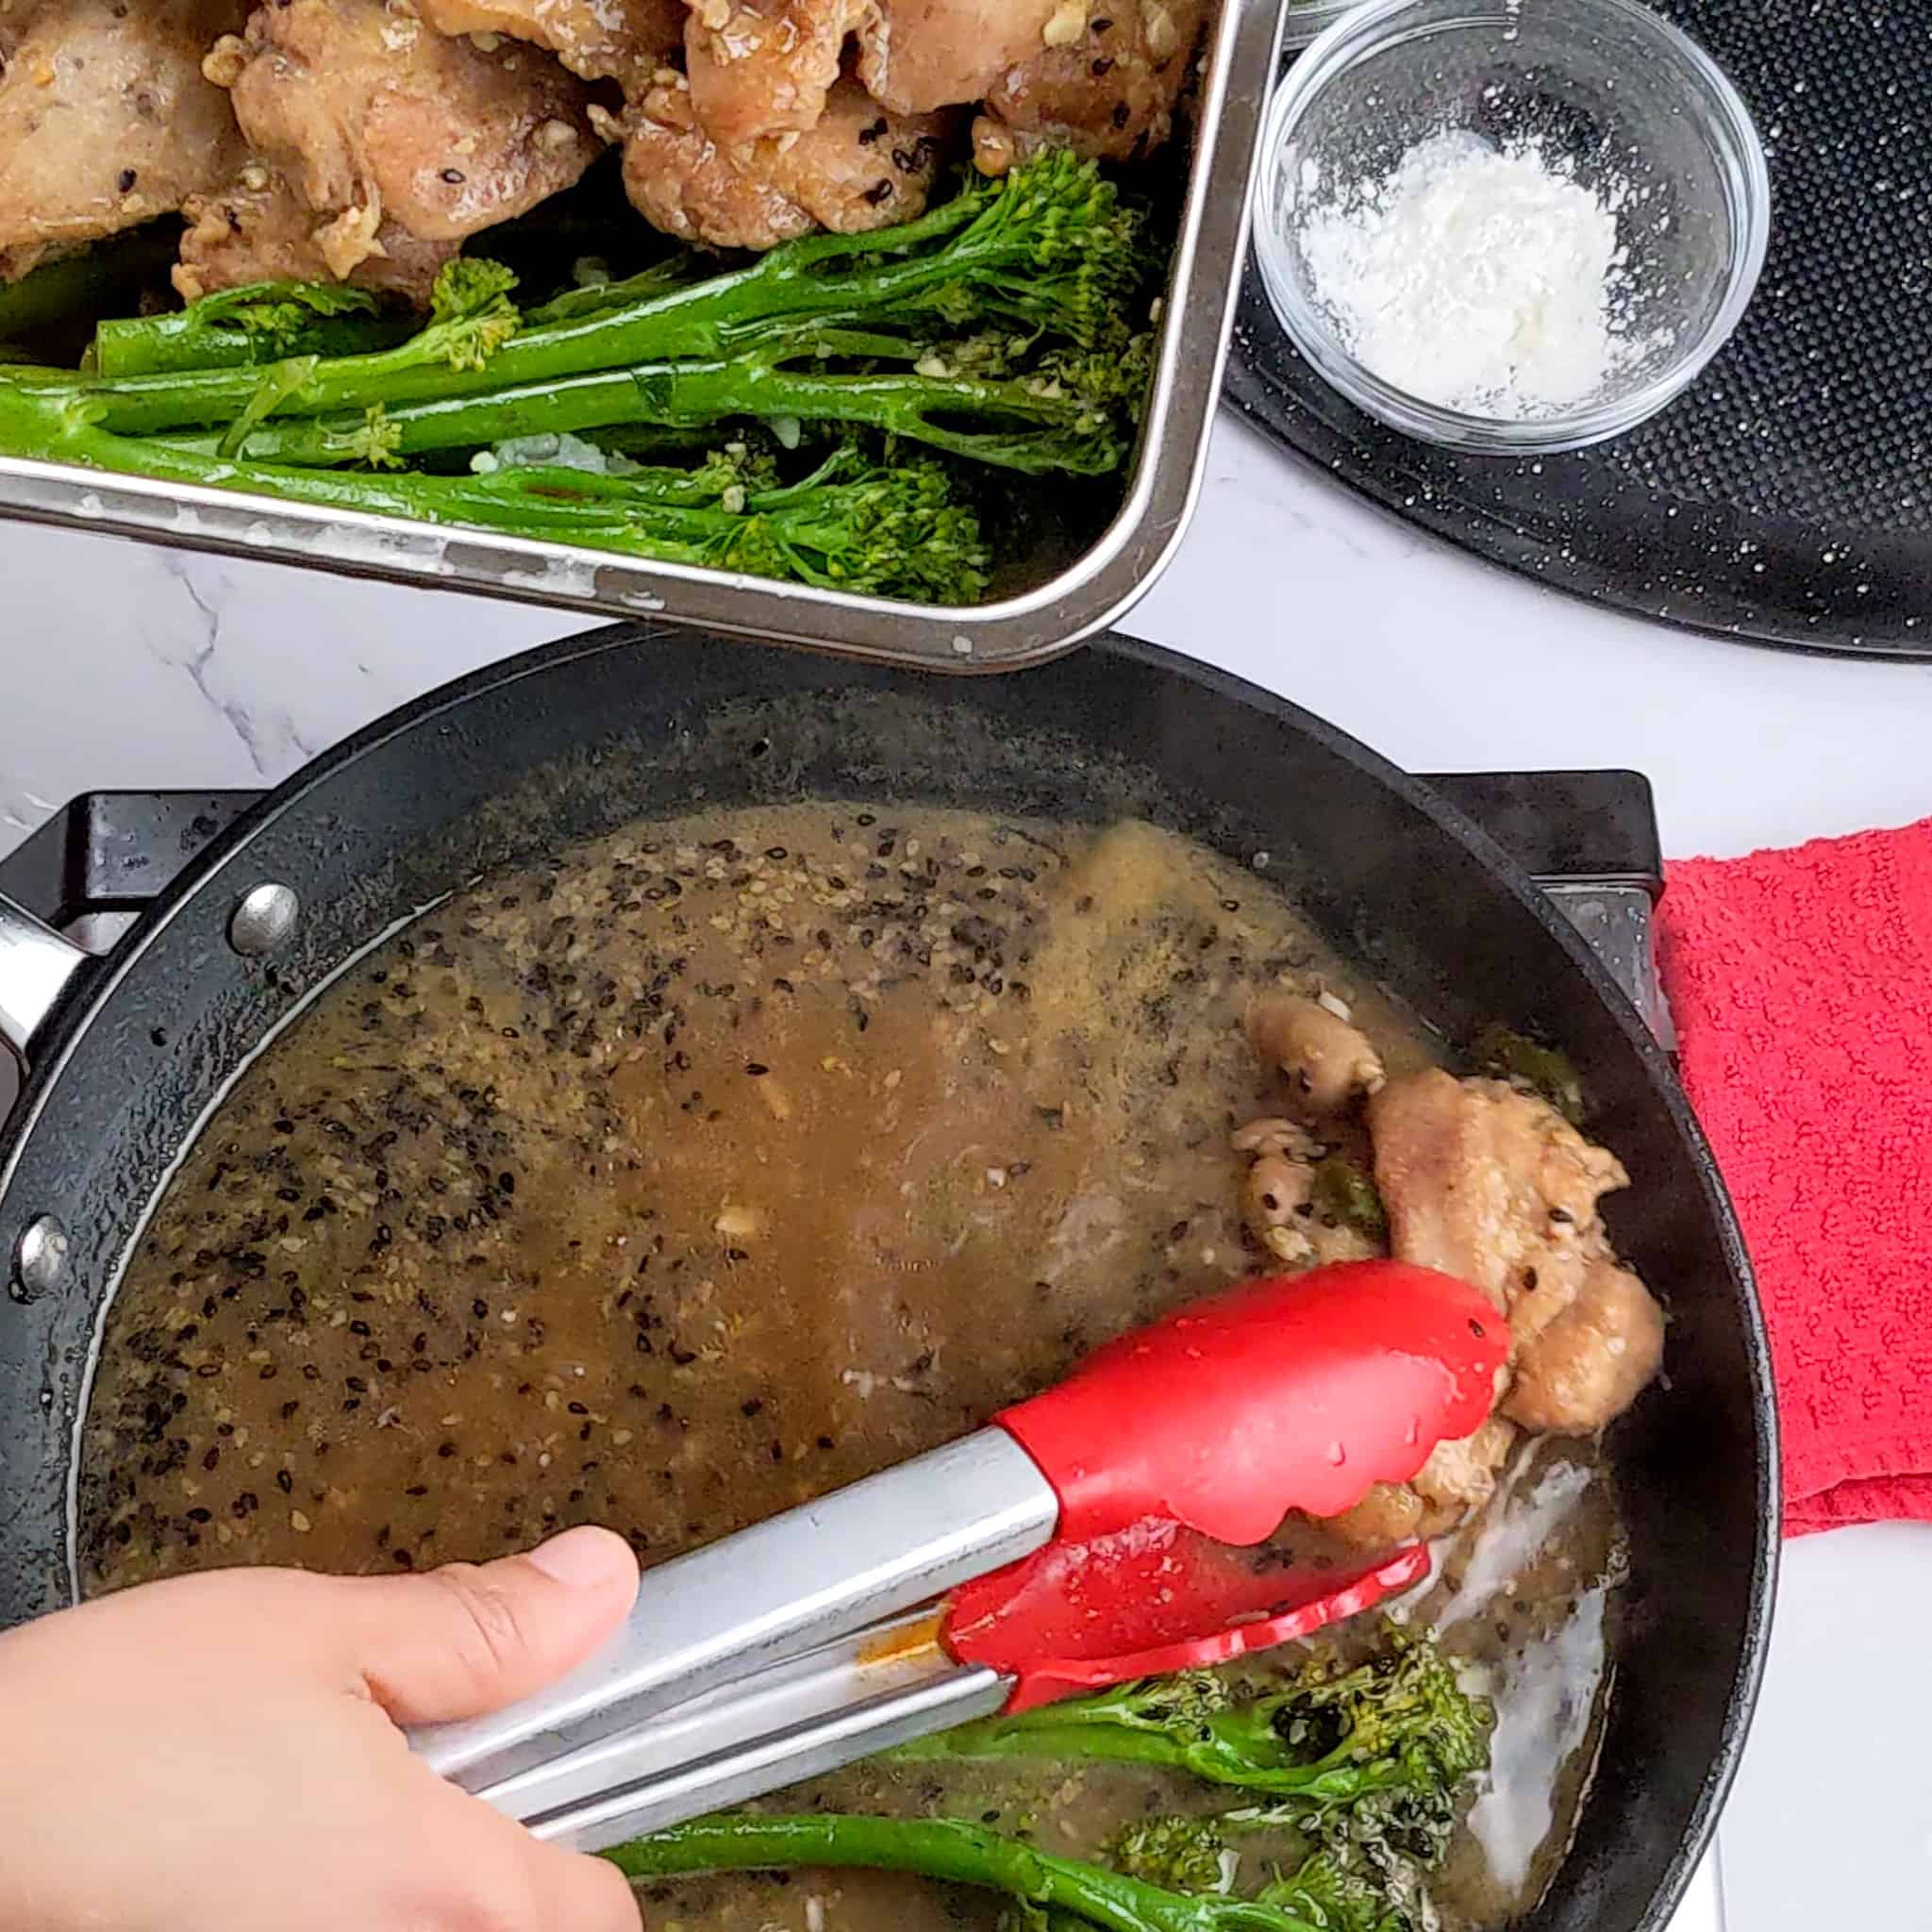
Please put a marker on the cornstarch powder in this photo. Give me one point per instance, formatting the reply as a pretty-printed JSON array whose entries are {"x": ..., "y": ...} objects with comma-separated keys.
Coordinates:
[{"x": 1480, "y": 279}]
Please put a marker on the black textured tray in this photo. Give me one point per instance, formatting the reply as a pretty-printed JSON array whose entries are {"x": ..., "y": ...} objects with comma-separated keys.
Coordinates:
[{"x": 1786, "y": 498}]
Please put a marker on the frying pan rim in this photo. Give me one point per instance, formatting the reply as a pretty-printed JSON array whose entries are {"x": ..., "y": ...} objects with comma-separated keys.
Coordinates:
[{"x": 95, "y": 990}]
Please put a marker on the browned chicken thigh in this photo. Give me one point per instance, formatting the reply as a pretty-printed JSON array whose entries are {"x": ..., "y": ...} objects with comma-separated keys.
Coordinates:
[
  {"x": 624, "y": 40},
  {"x": 916, "y": 55},
  {"x": 104, "y": 117},
  {"x": 1493, "y": 1185},
  {"x": 374, "y": 118},
  {"x": 1593, "y": 1360},
  {"x": 1489, "y": 1183},
  {"x": 1108, "y": 89},
  {"x": 1480, "y": 1179},
  {"x": 857, "y": 168},
  {"x": 760, "y": 67},
  {"x": 256, "y": 228}
]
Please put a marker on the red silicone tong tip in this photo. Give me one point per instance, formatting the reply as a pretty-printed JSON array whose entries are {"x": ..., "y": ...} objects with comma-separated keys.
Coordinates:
[
  {"x": 1298, "y": 1392},
  {"x": 1152, "y": 1599}
]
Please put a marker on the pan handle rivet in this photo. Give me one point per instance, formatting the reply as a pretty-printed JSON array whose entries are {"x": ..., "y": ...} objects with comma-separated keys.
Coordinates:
[
  {"x": 263, "y": 918},
  {"x": 40, "y": 1260}
]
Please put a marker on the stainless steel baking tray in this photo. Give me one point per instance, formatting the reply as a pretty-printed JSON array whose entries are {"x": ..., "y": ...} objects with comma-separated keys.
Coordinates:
[{"x": 1077, "y": 600}]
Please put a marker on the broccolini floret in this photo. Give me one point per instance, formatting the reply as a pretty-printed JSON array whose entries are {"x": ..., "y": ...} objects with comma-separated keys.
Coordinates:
[
  {"x": 1182, "y": 1854},
  {"x": 1329, "y": 1736}
]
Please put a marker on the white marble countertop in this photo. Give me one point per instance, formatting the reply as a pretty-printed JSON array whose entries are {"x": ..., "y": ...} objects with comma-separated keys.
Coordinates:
[{"x": 131, "y": 668}]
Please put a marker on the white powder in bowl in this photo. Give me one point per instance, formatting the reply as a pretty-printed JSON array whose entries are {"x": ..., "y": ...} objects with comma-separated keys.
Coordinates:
[{"x": 1485, "y": 281}]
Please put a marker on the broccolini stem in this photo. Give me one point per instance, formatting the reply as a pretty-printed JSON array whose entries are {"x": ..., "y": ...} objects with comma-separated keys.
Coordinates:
[
  {"x": 1292, "y": 1789},
  {"x": 600, "y": 298},
  {"x": 1012, "y": 251},
  {"x": 945, "y": 1849},
  {"x": 1017, "y": 424},
  {"x": 184, "y": 340},
  {"x": 111, "y": 273},
  {"x": 891, "y": 532},
  {"x": 1400, "y": 1723}
]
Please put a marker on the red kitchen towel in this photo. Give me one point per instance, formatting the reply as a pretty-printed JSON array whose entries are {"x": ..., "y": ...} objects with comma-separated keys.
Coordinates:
[{"x": 1800, "y": 983}]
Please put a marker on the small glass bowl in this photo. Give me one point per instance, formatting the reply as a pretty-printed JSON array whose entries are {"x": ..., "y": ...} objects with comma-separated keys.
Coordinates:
[
  {"x": 1637, "y": 112},
  {"x": 1306, "y": 19}
]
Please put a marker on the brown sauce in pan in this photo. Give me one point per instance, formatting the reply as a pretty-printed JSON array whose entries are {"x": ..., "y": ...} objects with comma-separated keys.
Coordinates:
[{"x": 721, "y": 1162}]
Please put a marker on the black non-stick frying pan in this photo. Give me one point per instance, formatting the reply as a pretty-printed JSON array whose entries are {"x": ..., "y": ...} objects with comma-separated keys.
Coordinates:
[{"x": 577, "y": 739}]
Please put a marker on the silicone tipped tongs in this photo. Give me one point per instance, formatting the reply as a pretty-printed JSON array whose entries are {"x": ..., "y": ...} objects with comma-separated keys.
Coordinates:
[{"x": 1102, "y": 1531}]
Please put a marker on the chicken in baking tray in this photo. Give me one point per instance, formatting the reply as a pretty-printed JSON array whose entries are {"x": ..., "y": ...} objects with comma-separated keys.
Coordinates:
[{"x": 365, "y": 140}]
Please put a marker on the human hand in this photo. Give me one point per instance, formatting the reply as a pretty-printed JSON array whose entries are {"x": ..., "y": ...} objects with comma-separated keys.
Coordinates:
[{"x": 221, "y": 1752}]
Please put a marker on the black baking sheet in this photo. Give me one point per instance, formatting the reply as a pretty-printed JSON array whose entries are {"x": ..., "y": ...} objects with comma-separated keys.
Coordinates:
[{"x": 1786, "y": 498}]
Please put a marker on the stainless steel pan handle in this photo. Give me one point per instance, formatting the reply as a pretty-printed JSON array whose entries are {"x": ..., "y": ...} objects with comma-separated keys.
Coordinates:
[{"x": 36, "y": 967}]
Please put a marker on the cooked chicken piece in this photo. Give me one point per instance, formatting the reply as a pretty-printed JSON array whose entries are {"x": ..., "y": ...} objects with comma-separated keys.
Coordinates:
[
  {"x": 1491, "y": 1184},
  {"x": 374, "y": 118},
  {"x": 918, "y": 55},
  {"x": 1593, "y": 1360},
  {"x": 259, "y": 229},
  {"x": 1460, "y": 1477},
  {"x": 105, "y": 118},
  {"x": 624, "y": 40},
  {"x": 1327, "y": 1062},
  {"x": 1291, "y": 1226},
  {"x": 1278, "y": 1199},
  {"x": 858, "y": 169},
  {"x": 1107, "y": 88},
  {"x": 765, "y": 67},
  {"x": 1272, "y": 1134},
  {"x": 1390, "y": 1513}
]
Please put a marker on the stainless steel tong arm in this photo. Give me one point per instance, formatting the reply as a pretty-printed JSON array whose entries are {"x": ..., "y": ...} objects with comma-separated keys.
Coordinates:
[
  {"x": 796, "y": 1719},
  {"x": 797, "y": 1581}
]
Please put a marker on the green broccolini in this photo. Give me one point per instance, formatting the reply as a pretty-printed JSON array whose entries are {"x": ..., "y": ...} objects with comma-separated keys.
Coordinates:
[
  {"x": 1398, "y": 1724},
  {"x": 1543, "y": 1070},
  {"x": 65, "y": 295},
  {"x": 1345, "y": 1196},
  {"x": 1036, "y": 423},
  {"x": 1049, "y": 247},
  {"x": 1361, "y": 1764},
  {"x": 1182, "y": 1854},
  {"x": 675, "y": 271},
  {"x": 247, "y": 326},
  {"x": 1195, "y": 1855},
  {"x": 998, "y": 330},
  {"x": 1338, "y": 1897},
  {"x": 889, "y": 529},
  {"x": 951, "y": 1850}
]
